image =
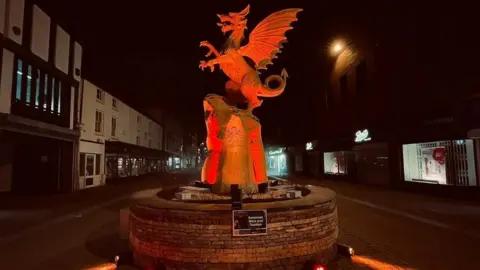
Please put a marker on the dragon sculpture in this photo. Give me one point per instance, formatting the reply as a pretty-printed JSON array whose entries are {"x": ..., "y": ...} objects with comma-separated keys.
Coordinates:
[{"x": 265, "y": 42}]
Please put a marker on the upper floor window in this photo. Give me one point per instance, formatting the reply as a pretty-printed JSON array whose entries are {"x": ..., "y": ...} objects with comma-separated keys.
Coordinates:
[
  {"x": 99, "y": 122},
  {"x": 150, "y": 127},
  {"x": 36, "y": 88},
  {"x": 150, "y": 143},
  {"x": 100, "y": 96},
  {"x": 145, "y": 135},
  {"x": 114, "y": 103},
  {"x": 138, "y": 140},
  {"x": 114, "y": 127},
  {"x": 139, "y": 119}
]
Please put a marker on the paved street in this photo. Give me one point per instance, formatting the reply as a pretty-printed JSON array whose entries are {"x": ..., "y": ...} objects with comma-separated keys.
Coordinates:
[
  {"x": 395, "y": 230},
  {"x": 87, "y": 235},
  {"x": 387, "y": 229}
]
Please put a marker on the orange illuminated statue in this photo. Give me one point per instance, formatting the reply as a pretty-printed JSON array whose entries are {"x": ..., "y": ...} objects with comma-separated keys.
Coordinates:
[{"x": 236, "y": 154}]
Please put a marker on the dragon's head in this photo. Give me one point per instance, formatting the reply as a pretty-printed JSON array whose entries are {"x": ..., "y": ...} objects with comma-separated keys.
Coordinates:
[{"x": 234, "y": 22}]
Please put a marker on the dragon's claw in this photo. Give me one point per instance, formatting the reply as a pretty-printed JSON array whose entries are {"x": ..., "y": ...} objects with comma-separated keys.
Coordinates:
[{"x": 205, "y": 64}]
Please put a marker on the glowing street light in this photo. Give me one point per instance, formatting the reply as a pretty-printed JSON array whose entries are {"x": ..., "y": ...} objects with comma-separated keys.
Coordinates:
[{"x": 337, "y": 47}]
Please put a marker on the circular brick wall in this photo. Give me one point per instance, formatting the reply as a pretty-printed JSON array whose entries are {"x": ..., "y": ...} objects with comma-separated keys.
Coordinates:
[{"x": 195, "y": 236}]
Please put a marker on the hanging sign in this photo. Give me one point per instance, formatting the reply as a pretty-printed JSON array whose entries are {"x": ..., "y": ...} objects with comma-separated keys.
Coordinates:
[
  {"x": 249, "y": 222},
  {"x": 362, "y": 136}
]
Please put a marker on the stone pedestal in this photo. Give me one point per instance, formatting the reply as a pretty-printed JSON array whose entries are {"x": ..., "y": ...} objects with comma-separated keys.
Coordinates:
[{"x": 181, "y": 235}]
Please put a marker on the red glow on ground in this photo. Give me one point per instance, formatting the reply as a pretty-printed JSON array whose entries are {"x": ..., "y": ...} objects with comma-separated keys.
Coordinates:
[
  {"x": 376, "y": 264},
  {"x": 319, "y": 267}
]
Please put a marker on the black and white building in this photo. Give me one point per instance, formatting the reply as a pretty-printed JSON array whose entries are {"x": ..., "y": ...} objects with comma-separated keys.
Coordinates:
[{"x": 39, "y": 101}]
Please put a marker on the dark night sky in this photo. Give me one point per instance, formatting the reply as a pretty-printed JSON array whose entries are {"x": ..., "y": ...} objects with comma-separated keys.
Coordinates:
[{"x": 146, "y": 52}]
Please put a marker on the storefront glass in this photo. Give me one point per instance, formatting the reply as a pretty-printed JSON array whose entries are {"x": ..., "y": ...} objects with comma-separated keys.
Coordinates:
[
  {"x": 277, "y": 162},
  {"x": 335, "y": 163},
  {"x": 440, "y": 162}
]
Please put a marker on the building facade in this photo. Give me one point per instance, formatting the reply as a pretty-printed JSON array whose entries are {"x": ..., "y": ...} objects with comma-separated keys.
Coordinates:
[
  {"x": 399, "y": 119},
  {"x": 39, "y": 101},
  {"x": 116, "y": 140}
]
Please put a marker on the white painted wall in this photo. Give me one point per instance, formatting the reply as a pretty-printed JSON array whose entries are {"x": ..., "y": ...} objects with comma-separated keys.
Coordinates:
[
  {"x": 62, "y": 47},
  {"x": 15, "y": 18},
  {"x": 127, "y": 127},
  {"x": 6, "y": 81},
  {"x": 40, "y": 33}
]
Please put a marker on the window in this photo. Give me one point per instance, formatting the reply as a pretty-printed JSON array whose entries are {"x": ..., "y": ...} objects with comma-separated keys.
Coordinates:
[
  {"x": 138, "y": 140},
  {"x": 98, "y": 162},
  {"x": 18, "y": 90},
  {"x": 139, "y": 119},
  {"x": 59, "y": 97},
  {"x": 150, "y": 127},
  {"x": 361, "y": 78},
  {"x": 335, "y": 163},
  {"x": 52, "y": 106},
  {"x": 343, "y": 88},
  {"x": 114, "y": 104},
  {"x": 28, "y": 97},
  {"x": 146, "y": 136},
  {"x": 440, "y": 162},
  {"x": 114, "y": 127},
  {"x": 45, "y": 93},
  {"x": 100, "y": 95},
  {"x": 98, "y": 122},
  {"x": 150, "y": 143},
  {"x": 82, "y": 164},
  {"x": 37, "y": 88}
]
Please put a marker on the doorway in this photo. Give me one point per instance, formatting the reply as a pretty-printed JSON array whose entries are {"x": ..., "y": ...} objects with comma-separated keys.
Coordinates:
[{"x": 89, "y": 169}]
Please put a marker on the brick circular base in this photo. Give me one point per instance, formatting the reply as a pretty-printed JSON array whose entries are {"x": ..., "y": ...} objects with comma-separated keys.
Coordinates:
[{"x": 176, "y": 235}]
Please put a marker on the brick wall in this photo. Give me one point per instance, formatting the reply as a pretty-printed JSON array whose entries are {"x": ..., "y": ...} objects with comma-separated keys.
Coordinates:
[{"x": 190, "y": 239}]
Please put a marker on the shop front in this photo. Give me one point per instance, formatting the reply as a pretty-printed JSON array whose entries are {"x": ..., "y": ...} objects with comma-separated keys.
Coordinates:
[
  {"x": 125, "y": 160},
  {"x": 336, "y": 158},
  {"x": 440, "y": 155},
  {"x": 277, "y": 161}
]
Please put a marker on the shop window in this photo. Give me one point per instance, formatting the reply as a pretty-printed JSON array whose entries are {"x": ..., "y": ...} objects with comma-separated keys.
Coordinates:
[
  {"x": 272, "y": 162},
  {"x": 98, "y": 162},
  {"x": 335, "y": 163},
  {"x": 440, "y": 162},
  {"x": 82, "y": 164}
]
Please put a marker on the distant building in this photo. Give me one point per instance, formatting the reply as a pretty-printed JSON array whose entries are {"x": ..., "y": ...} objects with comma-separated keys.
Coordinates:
[
  {"x": 191, "y": 151},
  {"x": 394, "y": 117},
  {"x": 116, "y": 140},
  {"x": 39, "y": 101},
  {"x": 173, "y": 143}
]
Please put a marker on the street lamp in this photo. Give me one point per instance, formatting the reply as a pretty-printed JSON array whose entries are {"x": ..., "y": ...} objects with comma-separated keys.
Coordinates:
[{"x": 337, "y": 47}]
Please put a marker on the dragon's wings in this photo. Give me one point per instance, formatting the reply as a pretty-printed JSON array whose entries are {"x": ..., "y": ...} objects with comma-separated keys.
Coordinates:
[{"x": 265, "y": 41}]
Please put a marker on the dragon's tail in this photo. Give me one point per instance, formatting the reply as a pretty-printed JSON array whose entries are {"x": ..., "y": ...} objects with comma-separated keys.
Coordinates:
[{"x": 266, "y": 91}]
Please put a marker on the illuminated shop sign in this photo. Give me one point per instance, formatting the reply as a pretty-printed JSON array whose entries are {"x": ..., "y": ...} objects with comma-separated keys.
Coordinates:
[
  {"x": 362, "y": 136},
  {"x": 277, "y": 151},
  {"x": 309, "y": 146}
]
